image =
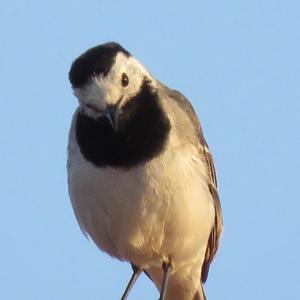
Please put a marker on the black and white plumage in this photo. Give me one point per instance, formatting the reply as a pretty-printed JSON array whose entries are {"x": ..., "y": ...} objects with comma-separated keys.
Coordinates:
[{"x": 141, "y": 178}]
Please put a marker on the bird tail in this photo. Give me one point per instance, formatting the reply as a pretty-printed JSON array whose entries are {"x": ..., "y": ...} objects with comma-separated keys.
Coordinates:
[
  {"x": 200, "y": 294},
  {"x": 202, "y": 291}
]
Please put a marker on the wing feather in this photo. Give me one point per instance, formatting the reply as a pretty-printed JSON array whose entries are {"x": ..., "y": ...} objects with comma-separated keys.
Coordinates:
[{"x": 215, "y": 235}]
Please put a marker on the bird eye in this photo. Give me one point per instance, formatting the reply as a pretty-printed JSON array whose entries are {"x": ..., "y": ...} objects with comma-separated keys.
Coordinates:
[{"x": 124, "y": 80}]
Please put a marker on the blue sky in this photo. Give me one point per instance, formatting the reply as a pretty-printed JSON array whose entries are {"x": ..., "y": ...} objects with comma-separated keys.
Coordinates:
[{"x": 237, "y": 61}]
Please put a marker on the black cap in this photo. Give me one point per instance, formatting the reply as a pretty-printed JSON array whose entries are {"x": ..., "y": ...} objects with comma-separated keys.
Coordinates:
[{"x": 95, "y": 61}]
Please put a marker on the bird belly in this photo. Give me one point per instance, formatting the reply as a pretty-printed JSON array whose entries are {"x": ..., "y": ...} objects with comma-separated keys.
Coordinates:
[{"x": 145, "y": 214}]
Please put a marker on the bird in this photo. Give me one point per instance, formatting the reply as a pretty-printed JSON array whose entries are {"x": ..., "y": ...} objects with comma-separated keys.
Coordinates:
[{"x": 141, "y": 177}]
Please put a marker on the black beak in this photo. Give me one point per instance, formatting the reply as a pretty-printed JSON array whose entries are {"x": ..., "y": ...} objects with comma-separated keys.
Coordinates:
[{"x": 112, "y": 113}]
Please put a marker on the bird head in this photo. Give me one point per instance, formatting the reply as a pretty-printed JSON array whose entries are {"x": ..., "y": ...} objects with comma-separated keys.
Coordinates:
[{"x": 104, "y": 79}]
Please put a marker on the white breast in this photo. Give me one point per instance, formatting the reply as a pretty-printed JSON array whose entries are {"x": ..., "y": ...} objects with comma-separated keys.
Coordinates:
[{"x": 147, "y": 213}]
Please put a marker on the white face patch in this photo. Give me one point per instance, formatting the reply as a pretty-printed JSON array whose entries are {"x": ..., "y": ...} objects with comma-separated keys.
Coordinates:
[{"x": 103, "y": 90}]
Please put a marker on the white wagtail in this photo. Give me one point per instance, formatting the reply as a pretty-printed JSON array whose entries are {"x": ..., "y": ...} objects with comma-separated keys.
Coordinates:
[{"x": 141, "y": 178}]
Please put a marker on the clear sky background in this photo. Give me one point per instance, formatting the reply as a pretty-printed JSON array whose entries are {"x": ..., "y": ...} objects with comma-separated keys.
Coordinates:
[{"x": 239, "y": 64}]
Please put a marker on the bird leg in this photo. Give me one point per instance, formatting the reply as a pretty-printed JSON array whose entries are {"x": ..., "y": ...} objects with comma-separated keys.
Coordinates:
[
  {"x": 167, "y": 268},
  {"x": 136, "y": 273}
]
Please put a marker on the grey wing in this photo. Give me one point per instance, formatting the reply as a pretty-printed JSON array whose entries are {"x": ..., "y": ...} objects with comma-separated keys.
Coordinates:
[
  {"x": 214, "y": 238},
  {"x": 215, "y": 235}
]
